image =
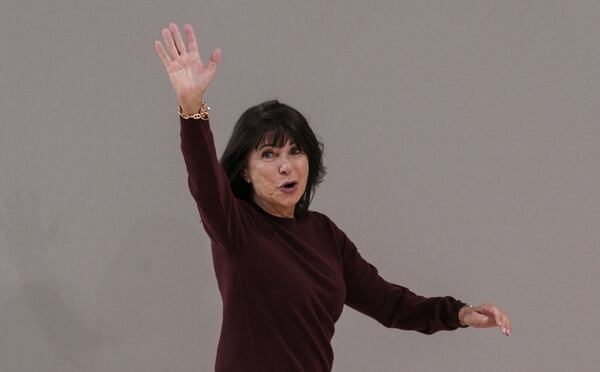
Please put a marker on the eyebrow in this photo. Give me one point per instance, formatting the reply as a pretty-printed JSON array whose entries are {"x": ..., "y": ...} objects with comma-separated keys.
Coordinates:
[{"x": 273, "y": 145}]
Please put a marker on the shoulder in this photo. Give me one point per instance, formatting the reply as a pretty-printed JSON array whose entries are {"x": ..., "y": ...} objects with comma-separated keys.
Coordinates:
[
  {"x": 326, "y": 225},
  {"x": 316, "y": 215},
  {"x": 323, "y": 219}
]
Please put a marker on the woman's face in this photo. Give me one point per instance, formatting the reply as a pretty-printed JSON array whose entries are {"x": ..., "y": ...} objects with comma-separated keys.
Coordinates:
[{"x": 269, "y": 169}]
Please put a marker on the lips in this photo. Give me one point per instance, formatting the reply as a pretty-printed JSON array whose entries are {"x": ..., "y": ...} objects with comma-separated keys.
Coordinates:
[
  {"x": 288, "y": 184},
  {"x": 289, "y": 187}
]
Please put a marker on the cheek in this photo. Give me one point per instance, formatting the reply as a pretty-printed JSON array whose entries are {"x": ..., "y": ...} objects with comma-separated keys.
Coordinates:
[
  {"x": 304, "y": 168},
  {"x": 265, "y": 178}
]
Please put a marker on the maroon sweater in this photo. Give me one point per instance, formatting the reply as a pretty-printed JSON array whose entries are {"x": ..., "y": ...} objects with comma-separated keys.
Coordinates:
[{"x": 284, "y": 281}]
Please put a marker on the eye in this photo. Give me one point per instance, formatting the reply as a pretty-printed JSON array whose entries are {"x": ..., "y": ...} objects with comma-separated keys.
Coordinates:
[
  {"x": 296, "y": 151},
  {"x": 268, "y": 154}
]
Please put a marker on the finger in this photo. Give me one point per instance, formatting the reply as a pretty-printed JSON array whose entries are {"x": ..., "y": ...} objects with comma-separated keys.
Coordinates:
[
  {"x": 501, "y": 315},
  {"x": 501, "y": 319},
  {"x": 215, "y": 58},
  {"x": 507, "y": 324},
  {"x": 498, "y": 316},
  {"x": 178, "y": 41},
  {"x": 170, "y": 43},
  {"x": 492, "y": 312},
  {"x": 506, "y": 330},
  {"x": 161, "y": 52},
  {"x": 191, "y": 37}
]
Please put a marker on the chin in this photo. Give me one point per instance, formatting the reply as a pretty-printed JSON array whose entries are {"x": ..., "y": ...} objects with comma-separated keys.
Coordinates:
[{"x": 291, "y": 204}]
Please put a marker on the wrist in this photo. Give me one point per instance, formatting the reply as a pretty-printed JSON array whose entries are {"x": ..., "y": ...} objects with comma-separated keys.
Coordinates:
[
  {"x": 190, "y": 109},
  {"x": 200, "y": 113},
  {"x": 461, "y": 315},
  {"x": 191, "y": 105}
]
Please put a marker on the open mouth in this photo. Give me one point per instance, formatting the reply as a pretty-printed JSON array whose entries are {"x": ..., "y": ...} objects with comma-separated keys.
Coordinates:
[{"x": 289, "y": 185}]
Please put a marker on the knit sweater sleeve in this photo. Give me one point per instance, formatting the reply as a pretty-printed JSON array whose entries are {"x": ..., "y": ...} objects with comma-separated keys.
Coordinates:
[
  {"x": 390, "y": 304},
  {"x": 208, "y": 183}
]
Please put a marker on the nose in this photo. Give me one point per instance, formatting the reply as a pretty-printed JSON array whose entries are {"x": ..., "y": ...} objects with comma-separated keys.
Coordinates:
[{"x": 284, "y": 166}]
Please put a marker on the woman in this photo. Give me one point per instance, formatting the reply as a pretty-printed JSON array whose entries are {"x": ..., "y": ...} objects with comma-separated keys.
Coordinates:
[{"x": 284, "y": 271}]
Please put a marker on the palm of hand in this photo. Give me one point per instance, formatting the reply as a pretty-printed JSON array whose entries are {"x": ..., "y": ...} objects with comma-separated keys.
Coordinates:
[{"x": 189, "y": 76}]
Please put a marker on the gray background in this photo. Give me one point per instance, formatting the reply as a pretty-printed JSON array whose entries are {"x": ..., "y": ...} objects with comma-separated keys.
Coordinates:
[{"x": 462, "y": 144}]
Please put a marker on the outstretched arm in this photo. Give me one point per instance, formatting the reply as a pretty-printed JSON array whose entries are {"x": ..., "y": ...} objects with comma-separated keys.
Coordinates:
[
  {"x": 396, "y": 306},
  {"x": 208, "y": 183}
]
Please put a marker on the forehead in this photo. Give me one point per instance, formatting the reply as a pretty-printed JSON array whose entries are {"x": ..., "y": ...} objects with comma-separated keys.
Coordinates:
[
  {"x": 275, "y": 139},
  {"x": 267, "y": 143}
]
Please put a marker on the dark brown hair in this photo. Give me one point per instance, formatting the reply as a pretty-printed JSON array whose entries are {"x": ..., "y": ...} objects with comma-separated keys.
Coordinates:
[{"x": 276, "y": 122}]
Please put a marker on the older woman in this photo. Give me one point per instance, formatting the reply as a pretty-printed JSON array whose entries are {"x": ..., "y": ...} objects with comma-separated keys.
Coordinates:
[{"x": 284, "y": 271}]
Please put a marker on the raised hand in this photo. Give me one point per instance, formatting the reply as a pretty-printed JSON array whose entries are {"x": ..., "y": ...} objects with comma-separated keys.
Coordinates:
[
  {"x": 189, "y": 76},
  {"x": 486, "y": 316}
]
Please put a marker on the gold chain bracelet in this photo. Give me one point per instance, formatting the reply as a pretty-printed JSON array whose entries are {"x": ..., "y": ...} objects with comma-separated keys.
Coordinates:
[{"x": 202, "y": 114}]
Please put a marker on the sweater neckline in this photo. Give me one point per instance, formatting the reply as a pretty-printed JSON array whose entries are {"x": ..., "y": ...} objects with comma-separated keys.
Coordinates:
[{"x": 282, "y": 220}]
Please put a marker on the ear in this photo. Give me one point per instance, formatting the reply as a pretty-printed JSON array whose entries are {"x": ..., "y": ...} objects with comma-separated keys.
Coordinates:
[{"x": 245, "y": 176}]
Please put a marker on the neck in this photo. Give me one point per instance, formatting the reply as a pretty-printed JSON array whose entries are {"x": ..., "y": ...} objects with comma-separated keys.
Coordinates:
[{"x": 274, "y": 211}]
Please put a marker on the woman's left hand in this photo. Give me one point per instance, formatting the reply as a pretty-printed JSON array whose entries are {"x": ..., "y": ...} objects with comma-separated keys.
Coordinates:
[{"x": 486, "y": 316}]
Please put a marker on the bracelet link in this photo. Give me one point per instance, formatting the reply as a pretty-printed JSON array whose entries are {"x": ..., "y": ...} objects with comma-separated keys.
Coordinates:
[{"x": 202, "y": 114}]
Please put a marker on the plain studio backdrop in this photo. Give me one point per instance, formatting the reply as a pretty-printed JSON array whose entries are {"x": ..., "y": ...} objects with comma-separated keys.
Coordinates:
[{"x": 462, "y": 144}]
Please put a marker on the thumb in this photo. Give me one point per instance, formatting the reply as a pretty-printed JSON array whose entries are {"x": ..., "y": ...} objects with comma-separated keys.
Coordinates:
[
  {"x": 478, "y": 319},
  {"x": 481, "y": 317},
  {"x": 215, "y": 58}
]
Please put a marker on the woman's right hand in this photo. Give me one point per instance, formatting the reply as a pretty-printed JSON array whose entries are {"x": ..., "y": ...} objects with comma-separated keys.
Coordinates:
[{"x": 189, "y": 76}]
